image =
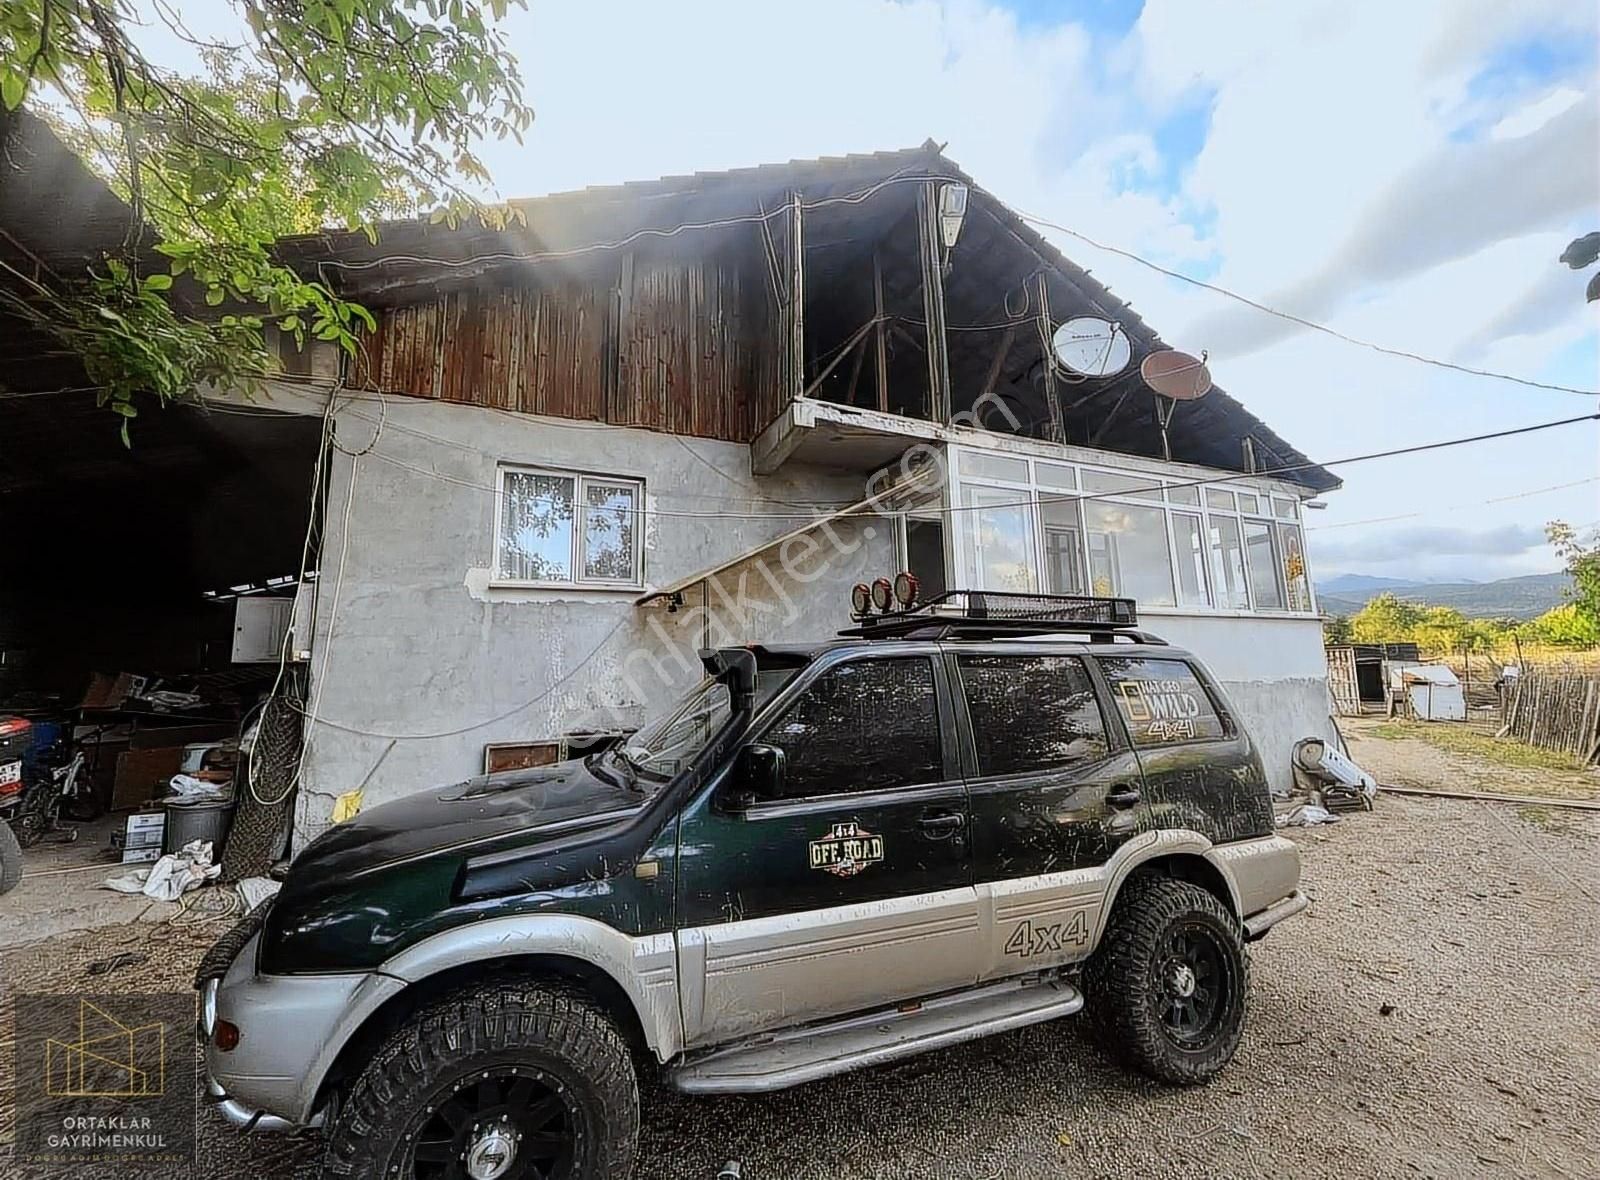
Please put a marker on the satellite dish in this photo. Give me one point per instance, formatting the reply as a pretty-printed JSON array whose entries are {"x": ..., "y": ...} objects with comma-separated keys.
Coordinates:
[
  {"x": 1091, "y": 347},
  {"x": 1176, "y": 375}
]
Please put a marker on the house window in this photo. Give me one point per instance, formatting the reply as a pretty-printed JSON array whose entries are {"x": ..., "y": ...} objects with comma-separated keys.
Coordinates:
[
  {"x": 1261, "y": 554},
  {"x": 1017, "y": 524},
  {"x": 557, "y": 528},
  {"x": 1128, "y": 552}
]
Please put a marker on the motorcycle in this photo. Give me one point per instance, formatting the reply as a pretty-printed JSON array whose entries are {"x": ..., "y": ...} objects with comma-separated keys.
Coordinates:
[{"x": 30, "y": 804}]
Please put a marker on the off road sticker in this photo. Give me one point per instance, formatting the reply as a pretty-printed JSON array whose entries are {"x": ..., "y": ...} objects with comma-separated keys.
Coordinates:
[
  {"x": 1042, "y": 938},
  {"x": 1159, "y": 710},
  {"x": 846, "y": 850}
]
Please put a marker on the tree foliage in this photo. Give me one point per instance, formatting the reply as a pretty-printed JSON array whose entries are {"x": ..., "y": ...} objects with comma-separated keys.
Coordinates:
[
  {"x": 1582, "y": 560},
  {"x": 324, "y": 112},
  {"x": 1582, "y": 252}
]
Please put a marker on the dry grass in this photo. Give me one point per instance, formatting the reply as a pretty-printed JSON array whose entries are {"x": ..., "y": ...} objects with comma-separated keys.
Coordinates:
[{"x": 1459, "y": 739}]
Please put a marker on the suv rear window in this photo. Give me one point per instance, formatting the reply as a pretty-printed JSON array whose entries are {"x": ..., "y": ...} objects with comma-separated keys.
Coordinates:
[
  {"x": 1162, "y": 701},
  {"x": 868, "y": 725},
  {"x": 1031, "y": 712}
]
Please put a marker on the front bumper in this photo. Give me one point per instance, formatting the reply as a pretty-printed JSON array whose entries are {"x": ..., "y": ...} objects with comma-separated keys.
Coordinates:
[{"x": 291, "y": 1030}]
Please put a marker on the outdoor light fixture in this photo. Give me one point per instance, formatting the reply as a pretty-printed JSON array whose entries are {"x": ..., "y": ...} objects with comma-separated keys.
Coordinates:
[
  {"x": 952, "y": 212},
  {"x": 882, "y": 594},
  {"x": 860, "y": 598},
  {"x": 905, "y": 588}
]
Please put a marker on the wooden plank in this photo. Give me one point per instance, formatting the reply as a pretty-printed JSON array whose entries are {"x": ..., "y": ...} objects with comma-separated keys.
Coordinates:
[
  {"x": 881, "y": 356},
  {"x": 937, "y": 406}
]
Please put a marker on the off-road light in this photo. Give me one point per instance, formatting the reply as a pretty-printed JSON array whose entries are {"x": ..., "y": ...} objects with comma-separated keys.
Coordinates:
[
  {"x": 860, "y": 598},
  {"x": 905, "y": 588},
  {"x": 882, "y": 594}
]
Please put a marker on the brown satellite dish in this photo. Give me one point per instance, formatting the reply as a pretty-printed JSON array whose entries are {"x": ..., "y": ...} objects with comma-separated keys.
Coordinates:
[{"x": 1176, "y": 375}]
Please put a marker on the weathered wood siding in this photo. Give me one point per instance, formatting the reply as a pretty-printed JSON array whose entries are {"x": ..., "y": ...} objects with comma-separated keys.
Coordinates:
[{"x": 684, "y": 346}]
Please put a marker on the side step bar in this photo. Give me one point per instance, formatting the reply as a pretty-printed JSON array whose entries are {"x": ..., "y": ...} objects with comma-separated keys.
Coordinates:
[{"x": 819, "y": 1051}]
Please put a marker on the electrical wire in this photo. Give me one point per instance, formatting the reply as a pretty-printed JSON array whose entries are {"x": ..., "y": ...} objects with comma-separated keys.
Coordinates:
[
  {"x": 314, "y": 720},
  {"x": 1300, "y": 320},
  {"x": 1061, "y": 497},
  {"x": 511, "y": 712},
  {"x": 1558, "y": 487}
]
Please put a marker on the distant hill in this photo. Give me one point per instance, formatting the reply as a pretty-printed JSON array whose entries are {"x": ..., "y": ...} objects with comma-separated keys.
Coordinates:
[{"x": 1518, "y": 598}]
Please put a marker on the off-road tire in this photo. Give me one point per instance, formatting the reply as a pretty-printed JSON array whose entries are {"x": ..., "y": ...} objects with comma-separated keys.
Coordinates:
[
  {"x": 551, "y": 1027},
  {"x": 10, "y": 858},
  {"x": 1126, "y": 988}
]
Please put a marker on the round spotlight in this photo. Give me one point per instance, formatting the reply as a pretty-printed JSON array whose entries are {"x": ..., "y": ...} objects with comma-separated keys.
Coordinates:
[
  {"x": 905, "y": 588},
  {"x": 860, "y": 598},
  {"x": 882, "y": 594}
]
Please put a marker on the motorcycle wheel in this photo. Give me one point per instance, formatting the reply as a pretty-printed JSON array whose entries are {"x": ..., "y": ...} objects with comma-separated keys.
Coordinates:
[{"x": 10, "y": 859}]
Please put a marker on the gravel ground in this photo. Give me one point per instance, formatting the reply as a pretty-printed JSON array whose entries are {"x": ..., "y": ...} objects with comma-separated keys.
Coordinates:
[{"x": 1434, "y": 1014}]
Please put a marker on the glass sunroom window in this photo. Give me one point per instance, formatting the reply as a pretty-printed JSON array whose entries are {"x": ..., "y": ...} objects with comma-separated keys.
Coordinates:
[
  {"x": 1227, "y": 563},
  {"x": 1261, "y": 552},
  {"x": 998, "y": 527},
  {"x": 1189, "y": 539},
  {"x": 1128, "y": 552},
  {"x": 1062, "y": 522}
]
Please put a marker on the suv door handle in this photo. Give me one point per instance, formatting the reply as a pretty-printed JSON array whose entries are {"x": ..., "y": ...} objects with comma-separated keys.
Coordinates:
[
  {"x": 1127, "y": 796},
  {"x": 942, "y": 824}
]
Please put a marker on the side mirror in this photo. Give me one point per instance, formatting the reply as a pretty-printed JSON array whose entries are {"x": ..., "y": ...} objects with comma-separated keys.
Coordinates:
[{"x": 757, "y": 774}]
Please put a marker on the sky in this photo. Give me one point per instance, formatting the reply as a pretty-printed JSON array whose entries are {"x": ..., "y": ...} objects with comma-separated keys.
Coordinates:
[{"x": 1404, "y": 173}]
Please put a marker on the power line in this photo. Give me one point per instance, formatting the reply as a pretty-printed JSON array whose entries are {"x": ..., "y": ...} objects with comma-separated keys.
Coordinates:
[
  {"x": 1523, "y": 495},
  {"x": 1300, "y": 320},
  {"x": 1051, "y": 498}
]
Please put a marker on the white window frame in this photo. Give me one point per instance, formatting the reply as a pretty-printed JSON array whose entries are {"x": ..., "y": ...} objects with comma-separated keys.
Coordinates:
[
  {"x": 580, "y": 482},
  {"x": 956, "y": 543}
]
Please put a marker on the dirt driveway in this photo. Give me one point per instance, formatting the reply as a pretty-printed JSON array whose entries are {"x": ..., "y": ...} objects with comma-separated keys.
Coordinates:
[{"x": 1434, "y": 1014}]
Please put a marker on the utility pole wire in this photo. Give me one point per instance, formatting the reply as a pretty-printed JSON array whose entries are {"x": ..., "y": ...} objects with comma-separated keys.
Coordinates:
[{"x": 1300, "y": 320}]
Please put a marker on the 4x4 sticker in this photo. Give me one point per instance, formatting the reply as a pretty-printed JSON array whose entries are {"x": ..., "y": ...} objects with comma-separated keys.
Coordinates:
[
  {"x": 1038, "y": 938},
  {"x": 846, "y": 850}
]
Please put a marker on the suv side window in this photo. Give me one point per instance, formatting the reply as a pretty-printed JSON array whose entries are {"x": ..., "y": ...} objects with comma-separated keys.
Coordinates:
[
  {"x": 1162, "y": 701},
  {"x": 866, "y": 725},
  {"x": 1031, "y": 712}
]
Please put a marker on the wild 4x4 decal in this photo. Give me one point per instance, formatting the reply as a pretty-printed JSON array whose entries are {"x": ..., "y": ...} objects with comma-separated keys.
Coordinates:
[{"x": 846, "y": 850}]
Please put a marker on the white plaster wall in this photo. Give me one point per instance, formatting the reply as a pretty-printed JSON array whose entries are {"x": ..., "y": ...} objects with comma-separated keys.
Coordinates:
[
  {"x": 1273, "y": 670},
  {"x": 414, "y": 653}
]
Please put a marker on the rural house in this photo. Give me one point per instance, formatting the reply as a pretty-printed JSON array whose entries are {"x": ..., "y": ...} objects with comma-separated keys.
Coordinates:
[{"x": 644, "y": 419}]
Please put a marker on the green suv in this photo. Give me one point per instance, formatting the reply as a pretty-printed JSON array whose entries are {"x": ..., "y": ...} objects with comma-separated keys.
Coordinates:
[{"x": 954, "y": 820}]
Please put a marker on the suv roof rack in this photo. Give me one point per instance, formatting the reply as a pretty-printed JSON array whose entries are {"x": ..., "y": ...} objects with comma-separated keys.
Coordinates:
[{"x": 997, "y": 614}]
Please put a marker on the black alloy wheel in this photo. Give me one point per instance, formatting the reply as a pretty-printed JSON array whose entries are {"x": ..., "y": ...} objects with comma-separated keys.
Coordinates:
[
  {"x": 510, "y": 1122},
  {"x": 1194, "y": 985},
  {"x": 508, "y": 1079},
  {"x": 1167, "y": 986}
]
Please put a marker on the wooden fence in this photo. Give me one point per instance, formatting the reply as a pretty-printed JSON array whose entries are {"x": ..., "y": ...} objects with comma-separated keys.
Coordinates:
[{"x": 1555, "y": 711}]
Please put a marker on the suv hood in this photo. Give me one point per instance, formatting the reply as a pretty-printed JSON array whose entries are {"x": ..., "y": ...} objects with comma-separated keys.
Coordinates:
[{"x": 458, "y": 818}]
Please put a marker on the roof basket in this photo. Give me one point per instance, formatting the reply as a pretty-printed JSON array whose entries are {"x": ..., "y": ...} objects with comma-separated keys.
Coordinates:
[{"x": 980, "y": 613}]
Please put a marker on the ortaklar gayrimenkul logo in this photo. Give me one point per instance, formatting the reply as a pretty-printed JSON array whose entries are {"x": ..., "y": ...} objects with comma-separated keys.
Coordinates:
[
  {"x": 846, "y": 850},
  {"x": 106, "y": 1080}
]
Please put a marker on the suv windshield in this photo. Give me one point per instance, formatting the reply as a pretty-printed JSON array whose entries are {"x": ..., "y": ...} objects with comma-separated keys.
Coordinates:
[{"x": 661, "y": 748}]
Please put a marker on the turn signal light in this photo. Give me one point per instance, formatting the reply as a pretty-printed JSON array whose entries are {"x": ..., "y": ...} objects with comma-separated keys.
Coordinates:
[{"x": 226, "y": 1036}]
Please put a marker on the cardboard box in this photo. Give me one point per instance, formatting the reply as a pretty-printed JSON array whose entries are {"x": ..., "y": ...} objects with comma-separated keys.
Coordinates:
[{"x": 141, "y": 840}]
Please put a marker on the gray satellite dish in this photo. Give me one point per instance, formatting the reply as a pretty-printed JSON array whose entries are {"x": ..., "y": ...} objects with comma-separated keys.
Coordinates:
[{"x": 1091, "y": 347}]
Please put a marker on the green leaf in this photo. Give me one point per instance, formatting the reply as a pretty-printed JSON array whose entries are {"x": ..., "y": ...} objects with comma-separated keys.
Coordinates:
[
  {"x": 364, "y": 316},
  {"x": 157, "y": 282},
  {"x": 214, "y": 295},
  {"x": 126, "y": 409},
  {"x": 126, "y": 440},
  {"x": 13, "y": 86}
]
